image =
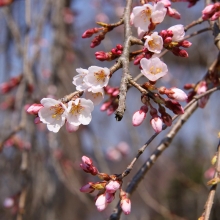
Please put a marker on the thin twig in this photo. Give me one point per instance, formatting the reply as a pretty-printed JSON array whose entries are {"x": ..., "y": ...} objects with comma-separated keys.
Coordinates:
[
  {"x": 210, "y": 199},
  {"x": 124, "y": 59}
]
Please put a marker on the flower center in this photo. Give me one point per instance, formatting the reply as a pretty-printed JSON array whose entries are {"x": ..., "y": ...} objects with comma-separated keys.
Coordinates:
[
  {"x": 100, "y": 75},
  {"x": 152, "y": 44},
  {"x": 146, "y": 14},
  {"x": 155, "y": 70},
  {"x": 58, "y": 110},
  {"x": 76, "y": 109}
]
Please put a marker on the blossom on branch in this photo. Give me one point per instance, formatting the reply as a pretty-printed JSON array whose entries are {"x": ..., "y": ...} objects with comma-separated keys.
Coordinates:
[
  {"x": 79, "y": 111},
  {"x": 78, "y": 80},
  {"x": 178, "y": 32},
  {"x": 154, "y": 42},
  {"x": 97, "y": 77},
  {"x": 53, "y": 113},
  {"x": 143, "y": 16},
  {"x": 153, "y": 68}
]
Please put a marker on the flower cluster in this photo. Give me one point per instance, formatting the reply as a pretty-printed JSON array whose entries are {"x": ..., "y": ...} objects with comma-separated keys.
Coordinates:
[
  {"x": 55, "y": 113},
  {"x": 107, "y": 187},
  {"x": 211, "y": 12}
]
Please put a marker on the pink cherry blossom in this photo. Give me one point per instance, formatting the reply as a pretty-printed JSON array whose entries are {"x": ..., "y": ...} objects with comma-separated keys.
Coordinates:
[
  {"x": 142, "y": 16},
  {"x": 78, "y": 80},
  {"x": 153, "y": 68},
  {"x": 95, "y": 95},
  {"x": 79, "y": 111},
  {"x": 154, "y": 42},
  {"x": 97, "y": 77},
  {"x": 53, "y": 113}
]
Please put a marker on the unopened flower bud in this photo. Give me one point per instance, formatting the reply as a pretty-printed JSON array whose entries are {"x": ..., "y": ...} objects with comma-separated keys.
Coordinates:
[
  {"x": 126, "y": 206},
  {"x": 101, "y": 202},
  {"x": 174, "y": 106},
  {"x": 87, "y": 188},
  {"x": 101, "y": 55},
  {"x": 112, "y": 186},
  {"x": 189, "y": 86},
  {"x": 177, "y": 94},
  {"x": 185, "y": 43},
  {"x": 97, "y": 40},
  {"x": 139, "y": 116},
  {"x": 119, "y": 47},
  {"x": 167, "y": 40},
  {"x": 37, "y": 120},
  {"x": 173, "y": 13},
  {"x": 105, "y": 106},
  {"x": 34, "y": 109},
  {"x": 88, "y": 33},
  {"x": 156, "y": 124}
]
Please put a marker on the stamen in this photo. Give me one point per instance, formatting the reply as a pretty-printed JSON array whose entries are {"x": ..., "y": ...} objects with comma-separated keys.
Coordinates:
[
  {"x": 100, "y": 75},
  {"x": 154, "y": 70},
  {"x": 58, "y": 110},
  {"x": 76, "y": 109}
]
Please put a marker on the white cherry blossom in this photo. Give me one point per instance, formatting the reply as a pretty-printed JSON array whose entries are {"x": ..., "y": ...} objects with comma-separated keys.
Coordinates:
[
  {"x": 53, "y": 113},
  {"x": 142, "y": 15},
  {"x": 154, "y": 42},
  {"x": 78, "y": 80},
  {"x": 97, "y": 77},
  {"x": 95, "y": 95},
  {"x": 79, "y": 111},
  {"x": 153, "y": 68},
  {"x": 178, "y": 32}
]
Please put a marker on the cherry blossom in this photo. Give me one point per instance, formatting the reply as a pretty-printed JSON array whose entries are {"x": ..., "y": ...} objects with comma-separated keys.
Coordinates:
[
  {"x": 154, "y": 42},
  {"x": 79, "y": 111},
  {"x": 142, "y": 16},
  {"x": 178, "y": 32},
  {"x": 78, "y": 80},
  {"x": 126, "y": 206},
  {"x": 95, "y": 95},
  {"x": 53, "y": 113},
  {"x": 153, "y": 68},
  {"x": 97, "y": 77}
]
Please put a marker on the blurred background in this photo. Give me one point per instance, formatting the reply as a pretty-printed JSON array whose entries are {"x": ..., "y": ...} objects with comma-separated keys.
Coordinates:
[{"x": 40, "y": 177}]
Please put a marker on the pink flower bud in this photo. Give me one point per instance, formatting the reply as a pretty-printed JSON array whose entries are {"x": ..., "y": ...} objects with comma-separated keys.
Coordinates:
[
  {"x": 115, "y": 93},
  {"x": 177, "y": 94},
  {"x": 202, "y": 87},
  {"x": 207, "y": 11},
  {"x": 156, "y": 124},
  {"x": 34, "y": 109},
  {"x": 101, "y": 202},
  {"x": 88, "y": 33},
  {"x": 203, "y": 101},
  {"x": 109, "y": 197},
  {"x": 113, "y": 154},
  {"x": 71, "y": 128},
  {"x": 37, "y": 120},
  {"x": 185, "y": 43},
  {"x": 174, "y": 106},
  {"x": 173, "y": 13},
  {"x": 123, "y": 147},
  {"x": 163, "y": 34},
  {"x": 215, "y": 16},
  {"x": 119, "y": 47},
  {"x": 105, "y": 106},
  {"x": 5, "y": 87},
  {"x": 138, "y": 59},
  {"x": 112, "y": 186},
  {"x": 167, "y": 40},
  {"x": 8, "y": 202},
  {"x": 126, "y": 206},
  {"x": 139, "y": 116},
  {"x": 97, "y": 40},
  {"x": 101, "y": 55},
  {"x": 87, "y": 188},
  {"x": 87, "y": 166}
]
